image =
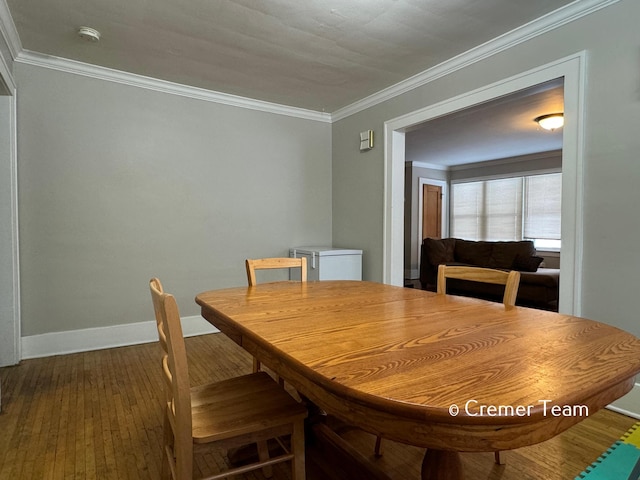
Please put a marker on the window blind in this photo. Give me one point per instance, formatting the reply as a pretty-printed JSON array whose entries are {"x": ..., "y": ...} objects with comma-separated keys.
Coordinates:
[
  {"x": 503, "y": 209},
  {"x": 543, "y": 206},
  {"x": 507, "y": 209},
  {"x": 467, "y": 202}
]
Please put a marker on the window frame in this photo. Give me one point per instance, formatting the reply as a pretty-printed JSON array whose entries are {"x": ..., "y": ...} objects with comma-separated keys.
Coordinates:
[{"x": 519, "y": 175}]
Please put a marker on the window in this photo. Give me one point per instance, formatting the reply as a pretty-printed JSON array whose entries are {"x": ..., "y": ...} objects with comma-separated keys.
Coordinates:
[
  {"x": 542, "y": 205},
  {"x": 509, "y": 209}
]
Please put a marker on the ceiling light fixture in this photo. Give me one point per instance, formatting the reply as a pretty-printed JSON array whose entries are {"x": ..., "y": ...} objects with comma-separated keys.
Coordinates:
[
  {"x": 89, "y": 34},
  {"x": 550, "y": 121}
]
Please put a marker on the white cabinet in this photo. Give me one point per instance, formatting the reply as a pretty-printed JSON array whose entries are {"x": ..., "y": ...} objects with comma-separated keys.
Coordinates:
[{"x": 327, "y": 263}]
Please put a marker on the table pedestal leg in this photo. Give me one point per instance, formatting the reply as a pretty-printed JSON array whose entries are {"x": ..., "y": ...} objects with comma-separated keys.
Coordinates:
[{"x": 441, "y": 465}]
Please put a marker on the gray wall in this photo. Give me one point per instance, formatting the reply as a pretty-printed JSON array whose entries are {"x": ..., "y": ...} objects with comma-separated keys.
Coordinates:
[
  {"x": 612, "y": 169},
  {"x": 118, "y": 184}
]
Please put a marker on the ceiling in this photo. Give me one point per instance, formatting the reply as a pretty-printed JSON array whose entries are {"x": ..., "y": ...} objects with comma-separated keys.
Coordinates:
[
  {"x": 501, "y": 128},
  {"x": 320, "y": 55}
]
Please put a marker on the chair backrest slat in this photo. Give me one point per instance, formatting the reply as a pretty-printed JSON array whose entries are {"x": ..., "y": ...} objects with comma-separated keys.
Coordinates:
[
  {"x": 272, "y": 263},
  {"x": 510, "y": 279}
]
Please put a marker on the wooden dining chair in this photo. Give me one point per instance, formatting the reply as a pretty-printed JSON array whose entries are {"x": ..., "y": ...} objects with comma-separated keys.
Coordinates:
[
  {"x": 234, "y": 412},
  {"x": 270, "y": 264},
  {"x": 275, "y": 263},
  {"x": 510, "y": 279}
]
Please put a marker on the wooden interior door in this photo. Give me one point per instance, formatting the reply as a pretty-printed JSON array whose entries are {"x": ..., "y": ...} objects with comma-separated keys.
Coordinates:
[{"x": 431, "y": 211}]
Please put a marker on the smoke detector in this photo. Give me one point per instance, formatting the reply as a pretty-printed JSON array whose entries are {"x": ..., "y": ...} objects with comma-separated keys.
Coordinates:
[{"x": 89, "y": 34}]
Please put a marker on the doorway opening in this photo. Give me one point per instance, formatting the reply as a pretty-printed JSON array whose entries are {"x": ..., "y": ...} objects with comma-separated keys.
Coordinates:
[{"x": 572, "y": 69}]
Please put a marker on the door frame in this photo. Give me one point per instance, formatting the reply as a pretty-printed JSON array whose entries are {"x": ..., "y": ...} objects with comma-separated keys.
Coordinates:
[
  {"x": 573, "y": 69},
  {"x": 11, "y": 352},
  {"x": 444, "y": 226}
]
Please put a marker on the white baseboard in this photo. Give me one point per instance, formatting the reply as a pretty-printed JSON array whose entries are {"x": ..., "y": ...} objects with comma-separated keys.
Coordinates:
[
  {"x": 629, "y": 404},
  {"x": 60, "y": 343},
  {"x": 412, "y": 273}
]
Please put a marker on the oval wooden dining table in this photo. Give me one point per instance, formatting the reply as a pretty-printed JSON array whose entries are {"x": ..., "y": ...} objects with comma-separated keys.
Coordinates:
[{"x": 447, "y": 373}]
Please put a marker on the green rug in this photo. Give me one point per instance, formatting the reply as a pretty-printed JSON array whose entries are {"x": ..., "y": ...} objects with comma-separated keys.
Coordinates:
[{"x": 620, "y": 462}]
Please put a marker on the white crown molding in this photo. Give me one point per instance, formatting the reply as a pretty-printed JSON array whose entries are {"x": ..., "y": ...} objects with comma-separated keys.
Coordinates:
[
  {"x": 544, "y": 24},
  {"x": 87, "y": 339},
  {"x": 80, "y": 68},
  {"x": 12, "y": 40},
  {"x": 432, "y": 166},
  {"x": 8, "y": 30},
  {"x": 6, "y": 76}
]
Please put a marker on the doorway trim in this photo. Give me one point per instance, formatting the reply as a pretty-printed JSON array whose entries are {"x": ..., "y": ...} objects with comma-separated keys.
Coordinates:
[
  {"x": 11, "y": 345},
  {"x": 572, "y": 68}
]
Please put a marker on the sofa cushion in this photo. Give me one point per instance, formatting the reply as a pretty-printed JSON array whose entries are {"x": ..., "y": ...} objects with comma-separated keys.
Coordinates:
[
  {"x": 526, "y": 263},
  {"x": 440, "y": 250},
  {"x": 546, "y": 277},
  {"x": 504, "y": 254},
  {"x": 473, "y": 253}
]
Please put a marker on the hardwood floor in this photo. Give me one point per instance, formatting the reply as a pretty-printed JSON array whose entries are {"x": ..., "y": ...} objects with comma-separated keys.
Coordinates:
[{"x": 97, "y": 415}]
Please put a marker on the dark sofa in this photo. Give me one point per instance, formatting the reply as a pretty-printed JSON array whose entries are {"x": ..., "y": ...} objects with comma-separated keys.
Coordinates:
[{"x": 538, "y": 286}]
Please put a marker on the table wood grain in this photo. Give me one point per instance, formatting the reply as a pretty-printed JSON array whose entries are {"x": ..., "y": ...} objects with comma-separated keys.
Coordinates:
[{"x": 393, "y": 361}]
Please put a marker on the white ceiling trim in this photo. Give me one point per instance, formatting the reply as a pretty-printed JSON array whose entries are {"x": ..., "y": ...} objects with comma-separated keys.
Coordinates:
[
  {"x": 431, "y": 166},
  {"x": 555, "y": 19},
  {"x": 12, "y": 40},
  {"x": 80, "y": 68},
  {"x": 8, "y": 30},
  {"x": 6, "y": 76}
]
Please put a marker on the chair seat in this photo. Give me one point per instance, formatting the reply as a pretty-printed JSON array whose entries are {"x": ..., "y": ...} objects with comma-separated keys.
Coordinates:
[{"x": 242, "y": 405}]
